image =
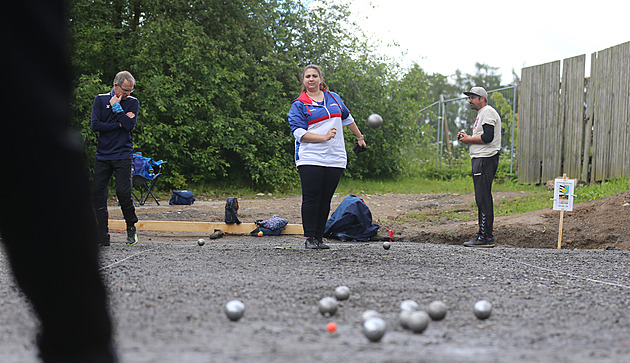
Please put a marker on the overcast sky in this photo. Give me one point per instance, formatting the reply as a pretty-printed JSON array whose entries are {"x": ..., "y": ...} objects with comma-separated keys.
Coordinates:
[{"x": 442, "y": 36}]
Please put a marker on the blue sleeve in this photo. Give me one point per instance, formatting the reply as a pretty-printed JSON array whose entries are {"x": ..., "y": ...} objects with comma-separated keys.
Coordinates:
[
  {"x": 297, "y": 119},
  {"x": 488, "y": 133}
]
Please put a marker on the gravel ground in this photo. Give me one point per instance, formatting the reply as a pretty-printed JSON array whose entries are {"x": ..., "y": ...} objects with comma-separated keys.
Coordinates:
[{"x": 167, "y": 295}]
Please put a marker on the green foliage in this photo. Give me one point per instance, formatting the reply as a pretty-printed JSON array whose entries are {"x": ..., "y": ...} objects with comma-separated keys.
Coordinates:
[
  {"x": 87, "y": 84},
  {"x": 585, "y": 193},
  {"x": 216, "y": 79},
  {"x": 526, "y": 203}
]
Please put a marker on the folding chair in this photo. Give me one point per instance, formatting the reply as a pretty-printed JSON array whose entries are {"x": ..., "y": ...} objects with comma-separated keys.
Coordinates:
[{"x": 145, "y": 172}]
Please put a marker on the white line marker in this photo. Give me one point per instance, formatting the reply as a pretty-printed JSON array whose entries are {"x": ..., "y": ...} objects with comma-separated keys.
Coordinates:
[
  {"x": 560, "y": 272},
  {"x": 126, "y": 258}
]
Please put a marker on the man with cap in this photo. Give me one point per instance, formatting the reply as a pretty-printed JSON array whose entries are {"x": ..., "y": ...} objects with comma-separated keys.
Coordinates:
[{"x": 485, "y": 145}]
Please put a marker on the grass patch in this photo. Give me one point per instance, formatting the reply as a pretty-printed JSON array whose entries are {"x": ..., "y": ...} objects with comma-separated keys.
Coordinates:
[
  {"x": 526, "y": 203},
  {"x": 534, "y": 197},
  {"x": 411, "y": 185}
]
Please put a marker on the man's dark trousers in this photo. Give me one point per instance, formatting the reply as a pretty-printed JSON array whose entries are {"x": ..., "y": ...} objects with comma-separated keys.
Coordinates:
[
  {"x": 483, "y": 171},
  {"x": 103, "y": 171}
]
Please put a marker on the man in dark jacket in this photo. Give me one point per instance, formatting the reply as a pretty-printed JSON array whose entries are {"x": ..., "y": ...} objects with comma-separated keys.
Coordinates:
[{"x": 114, "y": 116}]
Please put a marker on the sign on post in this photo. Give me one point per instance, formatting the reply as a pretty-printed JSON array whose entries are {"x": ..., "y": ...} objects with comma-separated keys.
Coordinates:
[{"x": 563, "y": 193}]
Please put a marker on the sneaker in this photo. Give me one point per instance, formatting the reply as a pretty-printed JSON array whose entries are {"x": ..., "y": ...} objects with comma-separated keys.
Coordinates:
[
  {"x": 311, "y": 243},
  {"x": 104, "y": 241},
  {"x": 480, "y": 241},
  {"x": 321, "y": 245},
  {"x": 132, "y": 235}
]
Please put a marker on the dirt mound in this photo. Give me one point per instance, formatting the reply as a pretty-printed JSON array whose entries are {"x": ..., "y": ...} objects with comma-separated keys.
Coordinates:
[{"x": 599, "y": 224}]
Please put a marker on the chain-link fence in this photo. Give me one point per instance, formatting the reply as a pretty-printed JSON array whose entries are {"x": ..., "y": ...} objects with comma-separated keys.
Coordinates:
[{"x": 447, "y": 117}]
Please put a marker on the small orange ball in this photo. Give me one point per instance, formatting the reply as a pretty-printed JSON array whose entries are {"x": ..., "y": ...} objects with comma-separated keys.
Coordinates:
[
  {"x": 331, "y": 327},
  {"x": 260, "y": 233}
]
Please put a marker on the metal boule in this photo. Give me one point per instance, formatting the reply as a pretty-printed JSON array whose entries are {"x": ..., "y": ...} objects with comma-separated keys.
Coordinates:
[
  {"x": 408, "y": 305},
  {"x": 342, "y": 293},
  {"x": 374, "y": 329},
  {"x": 418, "y": 321},
  {"x": 437, "y": 310},
  {"x": 375, "y": 120},
  {"x": 483, "y": 309},
  {"x": 328, "y": 306},
  {"x": 403, "y": 318},
  {"x": 370, "y": 314},
  {"x": 234, "y": 309}
]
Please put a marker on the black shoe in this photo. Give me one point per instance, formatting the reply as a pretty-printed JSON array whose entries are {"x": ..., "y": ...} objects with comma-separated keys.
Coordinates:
[
  {"x": 132, "y": 235},
  {"x": 311, "y": 243},
  {"x": 104, "y": 241},
  {"x": 480, "y": 241},
  {"x": 321, "y": 245}
]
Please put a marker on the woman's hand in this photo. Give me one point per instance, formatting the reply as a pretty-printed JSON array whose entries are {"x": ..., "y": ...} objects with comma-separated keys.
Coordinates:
[{"x": 331, "y": 133}]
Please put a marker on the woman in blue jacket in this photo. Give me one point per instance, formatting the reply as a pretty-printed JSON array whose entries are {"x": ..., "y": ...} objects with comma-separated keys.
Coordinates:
[{"x": 316, "y": 119}]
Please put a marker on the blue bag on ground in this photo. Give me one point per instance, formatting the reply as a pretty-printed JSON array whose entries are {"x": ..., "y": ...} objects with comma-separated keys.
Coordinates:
[
  {"x": 351, "y": 221},
  {"x": 272, "y": 223},
  {"x": 182, "y": 197},
  {"x": 267, "y": 231},
  {"x": 270, "y": 227}
]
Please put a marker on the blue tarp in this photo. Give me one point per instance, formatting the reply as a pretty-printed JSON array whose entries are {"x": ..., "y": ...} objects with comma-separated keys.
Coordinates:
[{"x": 351, "y": 221}]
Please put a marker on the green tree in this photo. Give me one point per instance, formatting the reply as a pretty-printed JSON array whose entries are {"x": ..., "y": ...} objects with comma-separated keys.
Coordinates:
[{"x": 215, "y": 80}]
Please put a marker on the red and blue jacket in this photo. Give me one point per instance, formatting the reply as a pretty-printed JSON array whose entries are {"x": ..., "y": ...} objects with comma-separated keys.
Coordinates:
[{"x": 307, "y": 115}]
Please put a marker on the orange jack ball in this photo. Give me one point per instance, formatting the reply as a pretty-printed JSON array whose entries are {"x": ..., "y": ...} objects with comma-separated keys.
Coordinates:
[{"x": 331, "y": 327}]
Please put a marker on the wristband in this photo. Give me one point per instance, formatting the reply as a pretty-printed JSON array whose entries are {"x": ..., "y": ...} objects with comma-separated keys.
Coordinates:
[
  {"x": 360, "y": 138},
  {"x": 116, "y": 107}
]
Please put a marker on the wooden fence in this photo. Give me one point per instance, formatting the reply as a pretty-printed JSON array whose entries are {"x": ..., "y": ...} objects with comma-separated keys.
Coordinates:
[{"x": 572, "y": 125}]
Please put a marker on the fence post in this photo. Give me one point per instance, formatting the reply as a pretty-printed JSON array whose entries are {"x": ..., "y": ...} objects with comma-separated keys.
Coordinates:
[{"x": 513, "y": 122}]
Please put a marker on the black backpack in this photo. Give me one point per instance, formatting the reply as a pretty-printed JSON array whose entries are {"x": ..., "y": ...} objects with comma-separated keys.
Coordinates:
[{"x": 231, "y": 211}]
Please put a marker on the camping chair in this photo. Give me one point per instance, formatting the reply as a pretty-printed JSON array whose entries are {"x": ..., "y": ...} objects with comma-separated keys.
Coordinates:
[{"x": 144, "y": 173}]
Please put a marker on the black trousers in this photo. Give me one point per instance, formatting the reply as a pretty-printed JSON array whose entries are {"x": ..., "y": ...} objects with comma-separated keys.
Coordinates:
[
  {"x": 483, "y": 172},
  {"x": 103, "y": 172},
  {"x": 318, "y": 186}
]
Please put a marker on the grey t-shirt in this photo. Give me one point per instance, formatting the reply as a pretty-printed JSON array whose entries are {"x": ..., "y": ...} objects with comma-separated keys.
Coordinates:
[{"x": 486, "y": 115}]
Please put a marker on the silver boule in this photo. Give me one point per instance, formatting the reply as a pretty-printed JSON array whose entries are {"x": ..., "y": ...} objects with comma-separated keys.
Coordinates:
[
  {"x": 201, "y": 241},
  {"x": 418, "y": 321},
  {"x": 408, "y": 305},
  {"x": 375, "y": 121},
  {"x": 483, "y": 309},
  {"x": 437, "y": 310},
  {"x": 234, "y": 309},
  {"x": 370, "y": 314},
  {"x": 328, "y": 306},
  {"x": 386, "y": 245},
  {"x": 374, "y": 329},
  {"x": 403, "y": 318},
  {"x": 342, "y": 293}
]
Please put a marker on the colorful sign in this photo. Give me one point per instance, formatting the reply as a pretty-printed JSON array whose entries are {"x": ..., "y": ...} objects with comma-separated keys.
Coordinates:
[{"x": 563, "y": 193}]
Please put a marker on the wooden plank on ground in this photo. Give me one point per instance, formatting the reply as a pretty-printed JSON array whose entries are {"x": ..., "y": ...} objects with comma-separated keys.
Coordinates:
[{"x": 205, "y": 227}]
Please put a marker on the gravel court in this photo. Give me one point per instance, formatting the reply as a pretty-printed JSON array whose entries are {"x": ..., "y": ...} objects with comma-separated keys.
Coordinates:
[{"x": 167, "y": 295}]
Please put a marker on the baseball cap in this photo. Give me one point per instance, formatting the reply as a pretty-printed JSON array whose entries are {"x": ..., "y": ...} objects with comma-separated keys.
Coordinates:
[{"x": 477, "y": 91}]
